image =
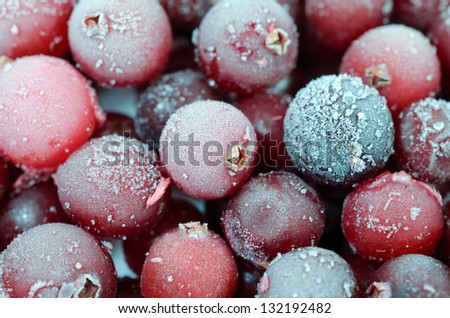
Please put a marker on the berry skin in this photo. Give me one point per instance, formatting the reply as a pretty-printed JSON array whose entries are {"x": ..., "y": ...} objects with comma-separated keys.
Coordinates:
[
  {"x": 349, "y": 134},
  {"x": 392, "y": 215},
  {"x": 57, "y": 260},
  {"x": 273, "y": 213},
  {"x": 103, "y": 33},
  {"x": 189, "y": 261},
  {"x": 419, "y": 14},
  {"x": 34, "y": 27},
  {"x": 112, "y": 186},
  {"x": 246, "y": 46},
  {"x": 40, "y": 126},
  {"x": 381, "y": 57},
  {"x": 337, "y": 23},
  {"x": 116, "y": 124},
  {"x": 25, "y": 209},
  {"x": 163, "y": 98},
  {"x": 207, "y": 148},
  {"x": 411, "y": 276},
  {"x": 423, "y": 140},
  {"x": 440, "y": 37},
  {"x": 185, "y": 15},
  {"x": 309, "y": 272}
]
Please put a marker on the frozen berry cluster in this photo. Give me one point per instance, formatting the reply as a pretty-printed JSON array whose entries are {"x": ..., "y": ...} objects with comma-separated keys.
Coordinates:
[{"x": 274, "y": 148}]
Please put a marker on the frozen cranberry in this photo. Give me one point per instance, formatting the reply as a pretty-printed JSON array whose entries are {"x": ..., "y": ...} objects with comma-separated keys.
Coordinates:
[
  {"x": 292, "y": 6},
  {"x": 419, "y": 14},
  {"x": 249, "y": 276},
  {"x": 112, "y": 186},
  {"x": 47, "y": 110},
  {"x": 116, "y": 124},
  {"x": 411, "y": 276},
  {"x": 208, "y": 149},
  {"x": 24, "y": 209},
  {"x": 423, "y": 140},
  {"x": 266, "y": 112},
  {"x": 271, "y": 214},
  {"x": 129, "y": 288},
  {"x": 392, "y": 215},
  {"x": 182, "y": 56},
  {"x": 4, "y": 177},
  {"x": 246, "y": 46},
  {"x": 349, "y": 132},
  {"x": 440, "y": 36},
  {"x": 337, "y": 23},
  {"x": 57, "y": 260},
  {"x": 34, "y": 27},
  {"x": 189, "y": 261},
  {"x": 382, "y": 58},
  {"x": 120, "y": 43},
  {"x": 185, "y": 15},
  {"x": 166, "y": 96},
  {"x": 136, "y": 247},
  {"x": 309, "y": 272}
]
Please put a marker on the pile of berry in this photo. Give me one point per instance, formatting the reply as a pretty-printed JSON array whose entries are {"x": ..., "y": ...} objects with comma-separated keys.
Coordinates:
[{"x": 311, "y": 138}]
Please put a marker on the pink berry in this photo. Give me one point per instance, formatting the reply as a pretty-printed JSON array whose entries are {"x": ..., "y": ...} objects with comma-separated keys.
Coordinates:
[
  {"x": 419, "y": 14},
  {"x": 337, "y": 23},
  {"x": 382, "y": 58},
  {"x": 207, "y": 148},
  {"x": 247, "y": 46},
  {"x": 423, "y": 140},
  {"x": 392, "y": 215},
  {"x": 189, "y": 261},
  {"x": 411, "y": 276},
  {"x": 48, "y": 110},
  {"x": 309, "y": 272},
  {"x": 57, "y": 260},
  {"x": 112, "y": 186},
  {"x": 34, "y": 27},
  {"x": 440, "y": 37},
  {"x": 120, "y": 43},
  {"x": 273, "y": 213}
]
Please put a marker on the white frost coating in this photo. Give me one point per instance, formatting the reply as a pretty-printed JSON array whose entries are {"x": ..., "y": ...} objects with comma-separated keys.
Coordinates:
[
  {"x": 156, "y": 260},
  {"x": 414, "y": 213}
]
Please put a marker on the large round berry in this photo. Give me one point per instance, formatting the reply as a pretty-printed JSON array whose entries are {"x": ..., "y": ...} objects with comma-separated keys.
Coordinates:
[
  {"x": 112, "y": 186},
  {"x": 440, "y": 36},
  {"x": 57, "y": 260},
  {"x": 419, "y": 14},
  {"x": 337, "y": 23},
  {"x": 34, "y": 27},
  {"x": 189, "y": 261},
  {"x": 120, "y": 43},
  {"x": 392, "y": 215},
  {"x": 246, "y": 46},
  {"x": 397, "y": 60},
  {"x": 338, "y": 130},
  {"x": 163, "y": 98},
  {"x": 207, "y": 148},
  {"x": 423, "y": 140},
  {"x": 271, "y": 214},
  {"x": 411, "y": 276},
  {"x": 47, "y": 110},
  {"x": 309, "y": 272}
]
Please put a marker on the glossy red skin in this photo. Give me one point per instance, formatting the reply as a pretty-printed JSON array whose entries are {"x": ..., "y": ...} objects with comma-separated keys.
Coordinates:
[
  {"x": 182, "y": 265},
  {"x": 271, "y": 214},
  {"x": 46, "y": 258},
  {"x": 392, "y": 45},
  {"x": 136, "y": 247},
  {"x": 338, "y": 23},
  {"x": 440, "y": 37},
  {"x": 392, "y": 215},
  {"x": 418, "y": 14},
  {"x": 4, "y": 177},
  {"x": 116, "y": 124},
  {"x": 31, "y": 28},
  {"x": 25, "y": 209},
  {"x": 182, "y": 56},
  {"x": 266, "y": 112}
]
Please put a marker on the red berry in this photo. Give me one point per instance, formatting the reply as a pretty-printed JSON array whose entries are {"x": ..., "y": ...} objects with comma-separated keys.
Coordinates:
[
  {"x": 382, "y": 58},
  {"x": 112, "y": 186},
  {"x": 419, "y": 14},
  {"x": 182, "y": 55},
  {"x": 47, "y": 109},
  {"x": 271, "y": 214},
  {"x": 167, "y": 95},
  {"x": 57, "y": 260},
  {"x": 120, "y": 43},
  {"x": 207, "y": 148},
  {"x": 423, "y": 140},
  {"x": 185, "y": 15},
  {"x": 337, "y": 23},
  {"x": 34, "y": 27},
  {"x": 25, "y": 209},
  {"x": 440, "y": 37},
  {"x": 392, "y": 215},
  {"x": 247, "y": 46},
  {"x": 116, "y": 124},
  {"x": 309, "y": 272},
  {"x": 411, "y": 276},
  {"x": 189, "y": 261}
]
